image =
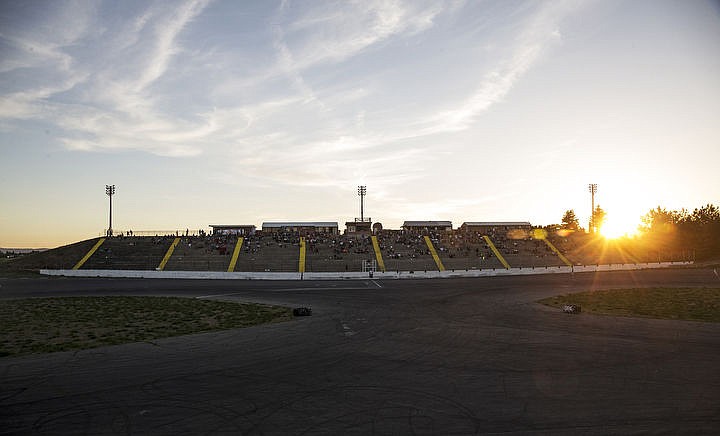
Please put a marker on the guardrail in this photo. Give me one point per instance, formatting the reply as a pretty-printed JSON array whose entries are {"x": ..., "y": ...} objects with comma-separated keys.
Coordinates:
[{"x": 222, "y": 275}]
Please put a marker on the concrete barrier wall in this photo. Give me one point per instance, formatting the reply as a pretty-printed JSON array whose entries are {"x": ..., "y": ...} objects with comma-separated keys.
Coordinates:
[{"x": 393, "y": 275}]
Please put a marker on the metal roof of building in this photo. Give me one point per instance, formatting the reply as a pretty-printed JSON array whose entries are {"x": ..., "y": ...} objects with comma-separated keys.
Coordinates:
[
  {"x": 496, "y": 223},
  {"x": 301, "y": 224},
  {"x": 427, "y": 224}
]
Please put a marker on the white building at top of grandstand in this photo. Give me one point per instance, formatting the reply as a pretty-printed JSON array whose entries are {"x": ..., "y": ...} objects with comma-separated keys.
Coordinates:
[
  {"x": 301, "y": 227},
  {"x": 426, "y": 226},
  {"x": 233, "y": 229},
  {"x": 485, "y": 226}
]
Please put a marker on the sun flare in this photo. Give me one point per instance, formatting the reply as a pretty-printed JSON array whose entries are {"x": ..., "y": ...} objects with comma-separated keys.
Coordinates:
[{"x": 614, "y": 229}]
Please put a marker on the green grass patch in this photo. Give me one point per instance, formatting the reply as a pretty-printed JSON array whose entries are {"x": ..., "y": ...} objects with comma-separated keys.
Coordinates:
[
  {"x": 692, "y": 304},
  {"x": 44, "y": 325}
]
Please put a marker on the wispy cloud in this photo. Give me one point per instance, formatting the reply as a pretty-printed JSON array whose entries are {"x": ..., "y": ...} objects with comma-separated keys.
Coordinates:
[
  {"x": 38, "y": 37},
  {"x": 146, "y": 81},
  {"x": 163, "y": 44},
  {"x": 331, "y": 34},
  {"x": 30, "y": 53},
  {"x": 540, "y": 31},
  {"x": 111, "y": 106},
  {"x": 32, "y": 103}
]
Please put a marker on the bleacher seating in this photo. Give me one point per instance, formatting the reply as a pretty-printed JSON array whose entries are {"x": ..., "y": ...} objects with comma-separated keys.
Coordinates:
[
  {"x": 401, "y": 251},
  {"x": 338, "y": 252},
  {"x": 271, "y": 252},
  {"x": 130, "y": 253},
  {"x": 460, "y": 251},
  {"x": 58, "y": 258},
  {"x": 196, "y": 253},
  {"x": 405, "y": 251}
]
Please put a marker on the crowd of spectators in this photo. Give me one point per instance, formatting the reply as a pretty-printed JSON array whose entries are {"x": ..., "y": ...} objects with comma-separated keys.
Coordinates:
[
  {"x": 337, "y": 247},
  {"x": 393, "y": 244},
  {"x": 466, "y": 249},
  {"x": 459, "y": 244},
  {"x": 397, "y": 244}
]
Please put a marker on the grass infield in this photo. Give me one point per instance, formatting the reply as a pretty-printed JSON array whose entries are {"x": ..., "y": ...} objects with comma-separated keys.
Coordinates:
[
  {"x": 692, "y": 304},
  {"x": 44, "y": 325}
]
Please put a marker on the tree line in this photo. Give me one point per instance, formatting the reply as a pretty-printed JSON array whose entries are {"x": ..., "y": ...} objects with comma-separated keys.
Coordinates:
[{"x": 698, "y": 230}]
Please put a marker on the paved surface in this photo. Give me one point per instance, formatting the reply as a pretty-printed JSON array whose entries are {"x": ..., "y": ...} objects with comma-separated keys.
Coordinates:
[{"x": 461, "y": 356}]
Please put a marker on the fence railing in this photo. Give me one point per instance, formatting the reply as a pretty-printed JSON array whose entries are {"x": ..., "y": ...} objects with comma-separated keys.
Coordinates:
[{"x": 177, "y": 232}]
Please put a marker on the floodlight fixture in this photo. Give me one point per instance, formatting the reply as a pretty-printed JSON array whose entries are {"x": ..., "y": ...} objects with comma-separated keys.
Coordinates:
[
  {"x": 362, "y": 191},
  {"x": 592, "y": 187},
  {"x": 110, "y": 191}
]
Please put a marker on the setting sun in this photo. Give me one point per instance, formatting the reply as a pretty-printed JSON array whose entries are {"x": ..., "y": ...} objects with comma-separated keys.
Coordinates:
[{"x": 613, "y": 229}]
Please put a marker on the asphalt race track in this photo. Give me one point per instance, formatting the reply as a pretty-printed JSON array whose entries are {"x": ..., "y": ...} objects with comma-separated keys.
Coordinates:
[{"x": 456, "y": 356}]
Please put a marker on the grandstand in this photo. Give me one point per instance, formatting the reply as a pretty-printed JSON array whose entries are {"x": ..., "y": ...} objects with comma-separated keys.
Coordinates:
[{"x": 320, "y": 247}]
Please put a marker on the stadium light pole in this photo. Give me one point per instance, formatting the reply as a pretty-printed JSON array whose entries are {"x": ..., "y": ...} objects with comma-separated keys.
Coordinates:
[
  {"x": 592, "y": 187},
  {"x": 362, "y": 190},
  {"x": 110, "y": 190}
]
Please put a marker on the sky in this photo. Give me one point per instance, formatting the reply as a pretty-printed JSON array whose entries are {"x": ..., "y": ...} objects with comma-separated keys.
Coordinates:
[{"x": 226, "y": 112}]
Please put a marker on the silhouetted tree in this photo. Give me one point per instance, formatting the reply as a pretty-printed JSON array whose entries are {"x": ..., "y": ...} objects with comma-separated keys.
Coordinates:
[
  {"x": 570, "y": 221},
  {"x": 702, "y": 228},
  {"x": 679, "y": 230},
  {"x": 598, "y": 218},
  {"x": 707, "y": 215},
  {"x": 660, "y": 221}
]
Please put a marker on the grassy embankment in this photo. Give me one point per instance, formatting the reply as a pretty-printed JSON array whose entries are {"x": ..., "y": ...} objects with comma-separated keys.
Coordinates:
[
  {"x": 692, "y": 304},
  {"x": 43, "y": 325}
]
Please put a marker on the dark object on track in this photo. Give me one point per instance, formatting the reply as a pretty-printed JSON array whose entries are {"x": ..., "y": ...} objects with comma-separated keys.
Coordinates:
[
  {"x": 571, "y": 308},
  {"x": 302, "y": 311}
]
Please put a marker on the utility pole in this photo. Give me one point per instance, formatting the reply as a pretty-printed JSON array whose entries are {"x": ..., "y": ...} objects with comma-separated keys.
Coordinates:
[
  {"x": 110, "y": 190},
  {"x": 592, "y": 187},
  {"x": 362, "y": 190}
]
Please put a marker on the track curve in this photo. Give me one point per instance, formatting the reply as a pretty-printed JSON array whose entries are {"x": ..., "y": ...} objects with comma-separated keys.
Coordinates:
[{"x": 459, "y": 356}]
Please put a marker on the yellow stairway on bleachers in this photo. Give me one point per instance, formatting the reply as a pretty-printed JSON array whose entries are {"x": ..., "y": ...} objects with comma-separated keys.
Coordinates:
[
  {"x": 496, "y": 252},
  {"x": 378, "y": 254},
  {"x": 89, "y": 253},
  {"x": 169, "y": 253},
  {"x": 560, "y": 255},
  {"x": 236, "y": 253},
  {"x": 434, "y": 254},
  {"x": 301, "y": 263}
]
